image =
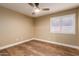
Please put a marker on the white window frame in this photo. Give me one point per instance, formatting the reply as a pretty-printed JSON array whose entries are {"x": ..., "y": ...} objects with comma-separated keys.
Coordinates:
[{"x": 59, "y": 18}]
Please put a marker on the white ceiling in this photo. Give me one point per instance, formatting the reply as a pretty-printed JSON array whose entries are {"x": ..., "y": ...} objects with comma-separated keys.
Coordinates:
[{"x": 24, "y": 8}]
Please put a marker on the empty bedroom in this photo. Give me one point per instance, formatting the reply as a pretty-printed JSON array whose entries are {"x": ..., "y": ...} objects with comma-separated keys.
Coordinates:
[{"x": 39, "y": 29}]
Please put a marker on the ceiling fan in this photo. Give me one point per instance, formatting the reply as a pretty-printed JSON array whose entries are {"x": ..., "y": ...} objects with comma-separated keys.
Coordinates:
[{"x": 36, "y": 8}]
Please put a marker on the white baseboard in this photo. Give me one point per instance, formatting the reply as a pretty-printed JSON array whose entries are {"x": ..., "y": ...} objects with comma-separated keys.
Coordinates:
[
  {"x": 17, "y": 43},
  {"x": 57, "y": 43}
]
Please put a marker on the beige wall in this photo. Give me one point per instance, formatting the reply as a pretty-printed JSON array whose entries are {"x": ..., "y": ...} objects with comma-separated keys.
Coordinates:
[
  {"x": 42, "y": 25},
  {"x": 14, "y": 27}
]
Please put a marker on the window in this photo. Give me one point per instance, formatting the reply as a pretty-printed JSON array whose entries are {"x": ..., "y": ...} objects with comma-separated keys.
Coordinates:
[{"x": 63, "y": 24}]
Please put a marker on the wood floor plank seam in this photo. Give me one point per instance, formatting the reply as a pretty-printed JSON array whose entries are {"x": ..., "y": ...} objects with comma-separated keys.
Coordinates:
[{"x": 39, "y": 48}]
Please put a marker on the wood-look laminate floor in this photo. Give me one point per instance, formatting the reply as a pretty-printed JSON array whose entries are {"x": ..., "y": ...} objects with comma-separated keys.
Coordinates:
[{"x": 38, "y": 48}]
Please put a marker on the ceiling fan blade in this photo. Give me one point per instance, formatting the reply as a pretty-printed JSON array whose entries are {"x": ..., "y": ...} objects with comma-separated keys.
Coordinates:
[
  {"x": 31, "y": 4},
  {"x": 46, "y": 9}
]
